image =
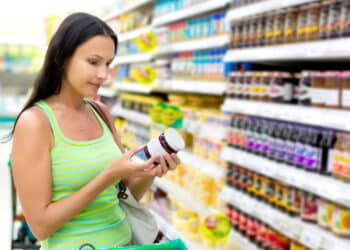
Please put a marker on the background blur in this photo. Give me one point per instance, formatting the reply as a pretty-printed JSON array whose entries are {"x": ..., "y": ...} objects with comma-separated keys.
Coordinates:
[{"x": 259, "y": 90}]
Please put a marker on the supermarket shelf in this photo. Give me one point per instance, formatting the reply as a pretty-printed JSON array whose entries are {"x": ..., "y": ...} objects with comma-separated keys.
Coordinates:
[
  {"x": 131, "y": 115},
  {"x": 308, "y": 115},
  {"x": 310, "y": 235},
  {"x": 196, "y": 44},
  {"x": 134, "y": 5},
  {"x": 326, "y": 50},
  {"x": 182, "y": 196},
  {"x": 240, "y": 242},
  {"x": 172, "y": 233},
  {"x": 200, "y": 87},
  {"x": 323, "y": 186},
  {"x": 107, "y": 92},
  {"x": 202, "y": 165},
  {"x": 122, "y": 37},
  {"x": 207, "y": 131},
  {"x": 133, "y": 87},
  {"x": 261, "y": 7},
  {"x": 196, "y": 9},
  {"x": 133, "y": 58}
]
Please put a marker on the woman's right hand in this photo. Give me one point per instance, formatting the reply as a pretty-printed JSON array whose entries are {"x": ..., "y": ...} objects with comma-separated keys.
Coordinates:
[{"x": 124, "y": 167}]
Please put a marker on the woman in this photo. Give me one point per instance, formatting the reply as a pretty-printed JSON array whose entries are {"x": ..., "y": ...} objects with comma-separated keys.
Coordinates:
[{"x": 65, "y": 161}]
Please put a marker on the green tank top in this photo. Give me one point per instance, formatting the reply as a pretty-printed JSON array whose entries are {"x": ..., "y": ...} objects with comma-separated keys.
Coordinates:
[{"x": 73, "y": 165}]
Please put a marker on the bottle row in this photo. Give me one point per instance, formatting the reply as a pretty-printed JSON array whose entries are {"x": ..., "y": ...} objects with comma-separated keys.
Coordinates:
[
  {"x": 205, "y": 26},
  {"x": 302, "y": 146},
  {"x": 201, "y": 65},
  {"x": 317, "y": 88},
  {"x": 163, "y": 7},
  {"x": 291, "y": 200},
  {"x": 314, "y": 21},
  {"x": 259, "y": 233}
]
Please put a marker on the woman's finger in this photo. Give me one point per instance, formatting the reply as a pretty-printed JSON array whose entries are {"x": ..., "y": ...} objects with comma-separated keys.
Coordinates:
[
  {"x": 163, "y": 165},
  {"x": 170, "y": 161}
]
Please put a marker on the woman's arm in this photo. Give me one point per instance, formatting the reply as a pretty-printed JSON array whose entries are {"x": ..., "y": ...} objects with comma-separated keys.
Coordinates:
[{"x": 31, "y": 172}]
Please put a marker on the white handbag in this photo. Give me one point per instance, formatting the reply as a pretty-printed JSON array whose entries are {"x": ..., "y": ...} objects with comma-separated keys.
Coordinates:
[{"x": 143, "y": 225}]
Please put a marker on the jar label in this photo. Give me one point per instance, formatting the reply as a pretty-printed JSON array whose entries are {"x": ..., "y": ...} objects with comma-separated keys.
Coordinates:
[
  {"x": 318, "y": 95},
  {"x": 346, "y": 98},
  {"x": 332, "y": 98}
]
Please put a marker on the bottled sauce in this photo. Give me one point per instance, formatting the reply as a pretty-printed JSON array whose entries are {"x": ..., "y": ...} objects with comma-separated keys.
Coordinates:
[
  {"x": 281, "y": 87},
  {"x": 264, "y": 85},
  {"x": 318, "y": 92},
  {"x": 345, "y": 18},
  {"x": 290, "y": 25},
  {"x": 303, "y": 91},
  {"x": 260, "y": 30},
  {"x": 327, "y": 143},
  {"x": 323, "y": 27},
  {"x": 312, "y": 21},
  {"x": 309, "y": 207},
  {"x": 341, "y": 221},
  {"x": 269, "y": 28},
  {"x": 332, "y": 87},
  {"x": 277, "y": 28},
  {"x": 302, "y": 24},
  {"x": 254, "y": 86},
  {"x": 345, "y": 82},
  {"x": 337, "y": 160},
  {"x": 334, "y": 20},
  {"x": 324, "y": 213}
]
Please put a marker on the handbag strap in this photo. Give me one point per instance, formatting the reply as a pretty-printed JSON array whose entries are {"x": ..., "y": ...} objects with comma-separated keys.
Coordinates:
[
  {"x": 102, "y": 114},
  {"x": 104, "y": 117}
]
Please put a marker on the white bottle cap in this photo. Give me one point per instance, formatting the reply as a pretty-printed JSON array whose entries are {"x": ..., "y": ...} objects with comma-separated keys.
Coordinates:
[{"x": 174, "y": 139}]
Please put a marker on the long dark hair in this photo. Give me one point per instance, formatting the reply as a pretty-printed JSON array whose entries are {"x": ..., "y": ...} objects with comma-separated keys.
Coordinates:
[{"x": 73, "y": 31}]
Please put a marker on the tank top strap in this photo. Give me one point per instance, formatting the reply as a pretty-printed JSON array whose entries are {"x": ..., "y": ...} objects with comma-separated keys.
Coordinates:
[{"x": 51, "y": 117}]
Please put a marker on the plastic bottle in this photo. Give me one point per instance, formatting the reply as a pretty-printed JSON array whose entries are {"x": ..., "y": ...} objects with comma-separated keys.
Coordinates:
[{"x": 169, "y": 141}]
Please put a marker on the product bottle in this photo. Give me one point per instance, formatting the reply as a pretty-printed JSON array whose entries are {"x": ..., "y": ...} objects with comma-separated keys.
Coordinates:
[{"x": 170, "y": 141}]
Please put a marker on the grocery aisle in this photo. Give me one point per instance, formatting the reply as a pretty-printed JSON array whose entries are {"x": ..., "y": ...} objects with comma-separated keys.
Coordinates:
[{"x": 260, "y": 92}]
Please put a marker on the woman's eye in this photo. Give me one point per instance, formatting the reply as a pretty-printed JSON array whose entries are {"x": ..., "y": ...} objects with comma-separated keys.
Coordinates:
[{"x": 93, "y": 62}]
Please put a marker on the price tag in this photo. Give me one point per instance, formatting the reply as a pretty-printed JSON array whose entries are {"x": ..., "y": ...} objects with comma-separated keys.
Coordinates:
[{"x": 311, "y": 238}]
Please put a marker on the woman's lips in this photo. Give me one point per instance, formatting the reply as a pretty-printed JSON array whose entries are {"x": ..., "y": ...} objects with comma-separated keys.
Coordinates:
[{"x": 96, "y": 85}]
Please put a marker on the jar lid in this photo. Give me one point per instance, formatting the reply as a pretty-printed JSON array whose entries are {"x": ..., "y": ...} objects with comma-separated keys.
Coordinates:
[{"x": 174, "y": 139}]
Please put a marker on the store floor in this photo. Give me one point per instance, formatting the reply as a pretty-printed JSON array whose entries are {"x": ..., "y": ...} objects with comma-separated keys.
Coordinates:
[{"x": 5, "y": 199}]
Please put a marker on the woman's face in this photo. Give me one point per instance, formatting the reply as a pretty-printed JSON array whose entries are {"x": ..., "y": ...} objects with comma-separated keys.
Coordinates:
[{"x": 87, "y": 69}]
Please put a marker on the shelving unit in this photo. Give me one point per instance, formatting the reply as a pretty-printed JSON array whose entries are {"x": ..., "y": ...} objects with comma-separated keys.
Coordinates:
[
  {"x": 183, "y": 196},
  {"x": 107, "y": 92},
  {"x": 196, "y": 44},
  {"x": 200, "y": 87},
  {"x": 210, "y": 132},
  {"x": 323, "y": 186},
  {"x": 202, "y": 165},
  {"x": 134, "y": 5},
  {"x": 171, "y": 233},
  {"x": 132, "y": 58},
  {"x": 122, "y": 37},
  {"x": 131, "y": 115},
  {"x": 326, "y": 50},
  {"x": 133, "y": 87},
  {"x": 310, "y": 235},
  {"x": 261, "y": 7},
  {"x": 308, "y": 115},
  {"x": 197, "y": 9}
]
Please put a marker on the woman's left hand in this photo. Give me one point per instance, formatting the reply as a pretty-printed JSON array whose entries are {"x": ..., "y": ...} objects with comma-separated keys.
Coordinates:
[{"x": 167, "y": 162}]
